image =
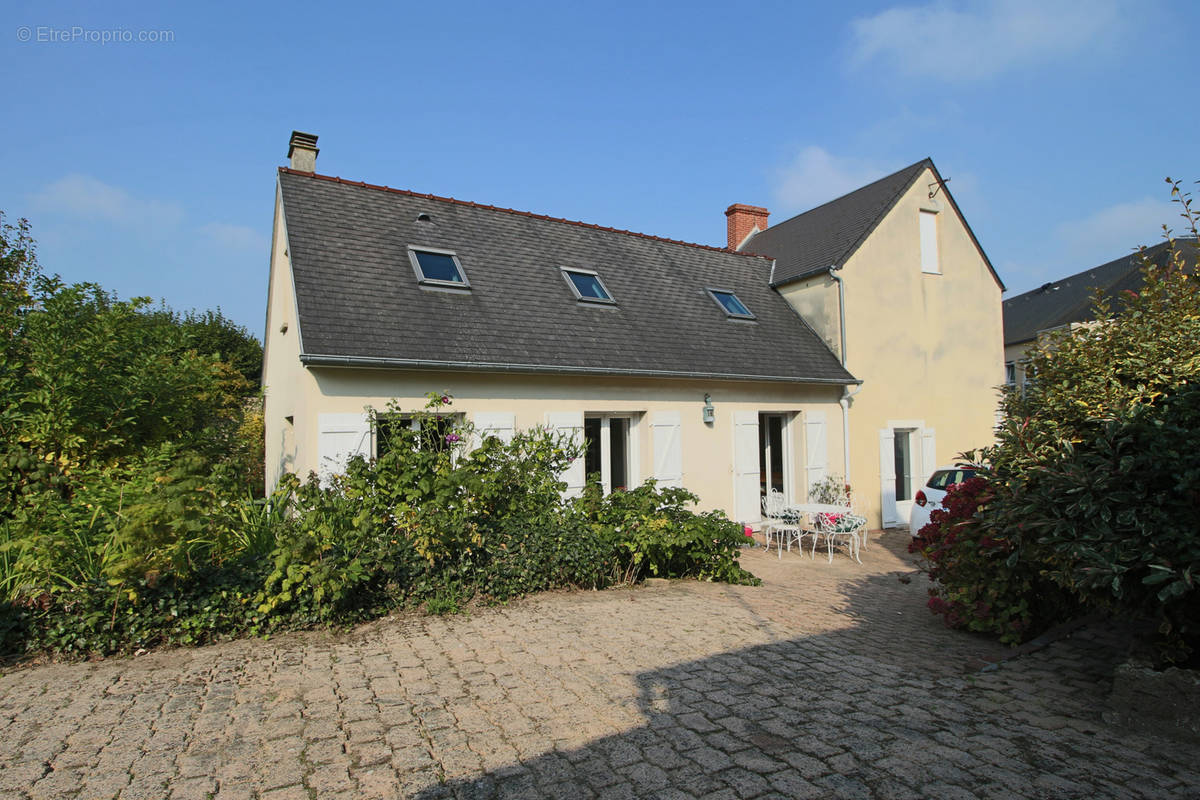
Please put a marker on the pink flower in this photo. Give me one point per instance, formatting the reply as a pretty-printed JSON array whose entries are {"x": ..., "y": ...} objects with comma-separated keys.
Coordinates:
[{"x": 451, "y": 438}]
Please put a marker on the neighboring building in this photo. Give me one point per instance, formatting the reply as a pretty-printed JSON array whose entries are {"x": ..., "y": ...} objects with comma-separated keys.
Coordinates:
[
  {"x": 893, "y": 279},
  {"x": 379, "y": 295},
  {"x": 1068, "y": 302}
]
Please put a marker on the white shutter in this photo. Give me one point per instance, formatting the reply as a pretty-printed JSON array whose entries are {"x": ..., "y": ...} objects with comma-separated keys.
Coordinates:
[
  {"x": 747, "y": 507},
  {"x": 887, "y": 476},
  {"x": 929, "y": 244},
  {"x": 570, "y": 423},
  {"x": 668, "y": 448},
  {"x": 340, "y": 437},
  {"x": 928, "y": 454},
  {"x": 816, "y": 448},
  {"x": 501, "y": 424}
]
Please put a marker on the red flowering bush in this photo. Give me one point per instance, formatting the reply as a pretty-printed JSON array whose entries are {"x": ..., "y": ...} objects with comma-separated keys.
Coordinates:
[{"x": 981, "y": 582}]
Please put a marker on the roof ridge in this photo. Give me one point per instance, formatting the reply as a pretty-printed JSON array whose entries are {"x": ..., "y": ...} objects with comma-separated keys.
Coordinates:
[
  {"x": 531, "y": 214},
  {"x": 924, "y": 161}
]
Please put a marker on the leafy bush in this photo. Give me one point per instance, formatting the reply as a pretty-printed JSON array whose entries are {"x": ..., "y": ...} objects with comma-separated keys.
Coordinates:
[
  {"x": 983, "y": 581},
  {"x": 654, "y": 534},
  {"x": 1093, "y": 487}
]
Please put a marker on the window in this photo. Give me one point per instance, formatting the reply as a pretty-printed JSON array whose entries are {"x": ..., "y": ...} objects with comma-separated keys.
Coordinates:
[
  {"x": 587, "y": 286},
  {"x": 438, "y": 267},
  {"x": 902, "y": 453},
  {"x": 607, "y": 451},
  {"x": 929, "y": 243},
  {"x": 771, "y": 461},
  {"x": 1010, "y": 373},
  {"x": 730, "y": 304},
  {"x": 431, "y": 431}
]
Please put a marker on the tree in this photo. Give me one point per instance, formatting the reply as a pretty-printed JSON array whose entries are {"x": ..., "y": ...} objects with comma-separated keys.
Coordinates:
[{"x": 1094, "y": 482}]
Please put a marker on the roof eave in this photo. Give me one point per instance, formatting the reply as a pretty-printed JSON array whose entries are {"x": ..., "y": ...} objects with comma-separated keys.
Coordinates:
[{"x": 377, "y": 362}]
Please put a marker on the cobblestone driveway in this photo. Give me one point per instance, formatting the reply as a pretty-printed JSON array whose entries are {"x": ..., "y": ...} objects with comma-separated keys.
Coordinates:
[{"x": 827, "y": 681}]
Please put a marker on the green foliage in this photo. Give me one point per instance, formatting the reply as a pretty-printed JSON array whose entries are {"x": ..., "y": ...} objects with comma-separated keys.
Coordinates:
[
  {"x": 1093, "y": 486},
  {"x": 653, "y": 534},
  {"x": 131, "y": 470},
  {"x": 984, "y": 581}
]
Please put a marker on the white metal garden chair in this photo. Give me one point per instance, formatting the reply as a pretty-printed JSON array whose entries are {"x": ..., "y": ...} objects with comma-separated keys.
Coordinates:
[
  {"x": 784, "y": 528},
  {"x": 845, "y": 526}
]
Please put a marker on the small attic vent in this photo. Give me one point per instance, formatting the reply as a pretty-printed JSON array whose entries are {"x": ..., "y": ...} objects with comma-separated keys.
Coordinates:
[{"x": 423, "y": 217}]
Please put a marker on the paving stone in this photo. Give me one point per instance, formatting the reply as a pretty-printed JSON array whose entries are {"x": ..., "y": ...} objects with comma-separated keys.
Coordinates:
[{"x": 811, "y": 685}]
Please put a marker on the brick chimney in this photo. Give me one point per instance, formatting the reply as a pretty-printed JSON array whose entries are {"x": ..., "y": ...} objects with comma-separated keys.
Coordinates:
[
  {"x": 742, "y": 220},
  {"x": 302, "y": 151}
]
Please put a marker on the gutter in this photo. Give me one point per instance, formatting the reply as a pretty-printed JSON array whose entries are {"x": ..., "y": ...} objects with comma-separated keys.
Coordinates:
[
  {"x": 323, "y": 360},
  {"x": 841, "y": 309}
]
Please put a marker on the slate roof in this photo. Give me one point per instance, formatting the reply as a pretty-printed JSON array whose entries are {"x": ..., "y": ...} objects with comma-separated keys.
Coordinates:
[
  {"x": 359, "y": 302},
  {"x": 829, "y": 234},
  {"x": 1070, "y": 299}
]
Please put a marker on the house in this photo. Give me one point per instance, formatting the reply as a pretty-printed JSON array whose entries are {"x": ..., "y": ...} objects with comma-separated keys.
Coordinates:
[
  {"x": 895, "y": 282},
  {"x": 679, "y": 359},
  {"x": 1068, "y": 302},
  {"x": 724, "y": 370}
]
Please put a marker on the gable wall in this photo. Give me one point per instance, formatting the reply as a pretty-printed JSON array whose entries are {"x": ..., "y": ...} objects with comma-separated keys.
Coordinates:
[
  {"x": 285, "y": 381},
  {"x": 927, "y": 347}
]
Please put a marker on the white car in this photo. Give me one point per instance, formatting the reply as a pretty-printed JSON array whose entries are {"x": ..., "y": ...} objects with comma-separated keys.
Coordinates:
[{"x": 934, "y": 491}]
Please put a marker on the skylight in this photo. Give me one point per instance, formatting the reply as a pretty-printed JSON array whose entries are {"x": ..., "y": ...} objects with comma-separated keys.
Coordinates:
[
  {"x": 587, "y": 286},
  {"x": 437, "y": 267},
  {"x": 730, "y": 304}
]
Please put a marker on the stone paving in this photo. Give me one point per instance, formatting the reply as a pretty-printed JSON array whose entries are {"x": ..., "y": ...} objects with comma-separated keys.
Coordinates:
[{"x": 826, "y": 681}]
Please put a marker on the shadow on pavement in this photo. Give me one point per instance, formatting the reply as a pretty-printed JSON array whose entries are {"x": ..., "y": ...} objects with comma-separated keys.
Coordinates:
[{"x": 874, "y": 710}]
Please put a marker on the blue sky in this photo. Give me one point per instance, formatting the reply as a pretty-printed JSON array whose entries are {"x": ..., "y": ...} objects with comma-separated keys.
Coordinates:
[{"x": 149, "y": 166}]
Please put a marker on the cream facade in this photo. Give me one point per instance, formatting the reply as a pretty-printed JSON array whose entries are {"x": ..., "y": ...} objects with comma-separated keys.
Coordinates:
[{"x": 923, "y": 332}]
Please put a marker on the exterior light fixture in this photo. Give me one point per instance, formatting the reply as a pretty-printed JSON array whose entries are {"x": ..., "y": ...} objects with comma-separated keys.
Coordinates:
[{"x": 709, "y": 414}]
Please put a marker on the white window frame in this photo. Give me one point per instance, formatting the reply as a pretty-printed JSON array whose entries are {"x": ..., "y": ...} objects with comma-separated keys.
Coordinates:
[
  {"x": 424, "y": 281},
  {"x": 712, "y": 292},
  {"x": 413, "y": 418},
  {"x": 631, "y": 450},
  {"x": 606, "y": 301},
  {"x": 785, "y": 439}
]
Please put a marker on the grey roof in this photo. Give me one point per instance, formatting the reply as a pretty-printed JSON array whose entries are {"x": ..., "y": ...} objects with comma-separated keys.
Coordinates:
[
  {"x": 359, "y": 301},
  {"x": 829, "y": 234},
  {"x": 1070, "y": 299}
]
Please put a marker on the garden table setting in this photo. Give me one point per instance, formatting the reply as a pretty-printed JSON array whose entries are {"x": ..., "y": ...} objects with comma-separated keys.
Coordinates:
[{"x": 831, "y": 522}]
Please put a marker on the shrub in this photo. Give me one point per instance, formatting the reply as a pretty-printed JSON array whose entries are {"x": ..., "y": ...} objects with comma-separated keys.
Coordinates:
[
  {"x": 984, "y": 579},
  {"x": 654, "y": 534}
]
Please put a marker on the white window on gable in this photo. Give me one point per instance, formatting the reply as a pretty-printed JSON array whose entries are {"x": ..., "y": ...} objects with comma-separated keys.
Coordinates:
[{"x": 929, "y": 243}]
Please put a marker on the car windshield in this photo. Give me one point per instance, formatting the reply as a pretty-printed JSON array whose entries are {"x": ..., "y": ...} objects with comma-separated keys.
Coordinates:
[{"x": 944, "y": 477}]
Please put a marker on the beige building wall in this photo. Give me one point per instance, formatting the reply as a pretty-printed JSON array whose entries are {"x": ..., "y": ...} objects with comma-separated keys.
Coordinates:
[
  {"x": 929, "y": 348},
  {"x": 816, "y": 300}
]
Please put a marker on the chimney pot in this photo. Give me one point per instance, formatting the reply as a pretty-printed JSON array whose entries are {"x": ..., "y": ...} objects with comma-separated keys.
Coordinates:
[
  {"x": 742, "y": 220},
  {"x": 302, "y": 151}
]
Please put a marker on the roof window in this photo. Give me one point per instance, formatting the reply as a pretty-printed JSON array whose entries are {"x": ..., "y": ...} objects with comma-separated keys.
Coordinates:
[
  {"x": 730, "y": 304},
  {"x": 437, "y": 267},
  {"x": 587, "y": 286}
]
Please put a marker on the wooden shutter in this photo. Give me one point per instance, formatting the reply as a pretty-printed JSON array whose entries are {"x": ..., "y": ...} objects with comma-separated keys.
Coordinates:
[
  {"x": 747, "y": 507},
  {"x": 887, "y": 476},
  {"x": 816, "y": 449},
  {"x": 929, "y": 243},
  {"x": 501, "y": 424},
  {"x": 668, "y": 448},
  {"x": 928, "y": 454},
  {"x": 340, "y": 437},
  {"x": 570, "y": 423}
]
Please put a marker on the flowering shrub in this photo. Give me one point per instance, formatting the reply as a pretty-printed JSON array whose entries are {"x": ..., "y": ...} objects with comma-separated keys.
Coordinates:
[{"x": 981, "y": 582}]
